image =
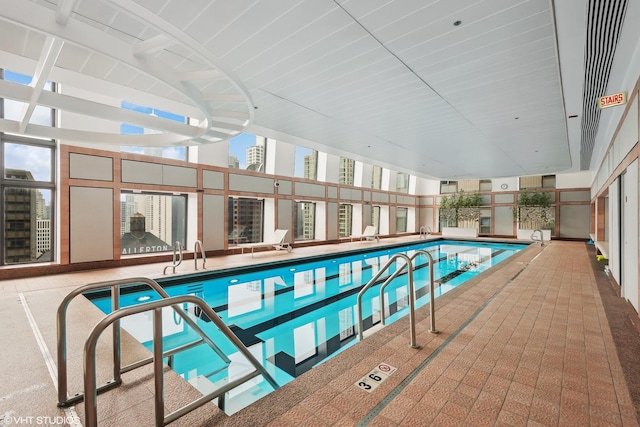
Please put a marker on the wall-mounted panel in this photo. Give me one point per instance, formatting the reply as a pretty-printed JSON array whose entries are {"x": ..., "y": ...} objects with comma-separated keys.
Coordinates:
[
  {"x": 90, "y": 224},
  {"x": 284, "y": 187},
  {"x": 380, "y": 197},
  {"x": 213, "y": 180},
  {"x": 284, "y": 220},
  {"x": 83, "y": 166},
  {"x": 574, "y": 221},
  {"x": 504, "y": 198},
  {"x": 332, "y": 221},
  {"x": 141, "y": 172},
  {"x": 332, "y": 192},
  {"x": 179, "y": 176},
  {"x": 213, "y": 210},
  {"x": 406, "y": 200},
  {"x": 503, "y": 221},
  {"x": 252, "y": 184},
  {"x": 575, "y": 196},
  {"x": 305, "y": 189},
  {"x": 352, "y": 194}
]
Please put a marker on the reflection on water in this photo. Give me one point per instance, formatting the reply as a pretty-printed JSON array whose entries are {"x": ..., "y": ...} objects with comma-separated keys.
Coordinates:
[{"x": 294, "y": 317}]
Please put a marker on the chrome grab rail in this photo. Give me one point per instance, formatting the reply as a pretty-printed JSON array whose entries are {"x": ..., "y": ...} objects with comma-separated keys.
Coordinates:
[
  {"x": 534, "y": 236},
  {"x": 425, "y": 231},
  {"x": 63, "y": 399},
  {"x": 177, "y": 249},
  {"x": 90, "y": 390},
  {"x": 412, "y": 296},
  {"x": 195, "y": 254},
  {"x": 432, "y": 310}
]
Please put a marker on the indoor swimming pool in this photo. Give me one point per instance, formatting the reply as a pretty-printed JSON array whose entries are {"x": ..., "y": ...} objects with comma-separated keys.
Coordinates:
[{"x": 295, "y": 314}]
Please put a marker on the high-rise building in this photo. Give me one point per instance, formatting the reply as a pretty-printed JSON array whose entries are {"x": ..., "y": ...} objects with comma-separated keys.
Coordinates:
[
  {"x": 346, "y": 171},
  {"x": 234, "y": 163},
  {"x": 20, "y": 220},
  {"x": 311, "y": 165},
  {"x": 256, "y": 154}
]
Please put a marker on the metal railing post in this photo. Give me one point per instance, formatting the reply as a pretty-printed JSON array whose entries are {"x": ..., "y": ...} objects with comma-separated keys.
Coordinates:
[
  {"x": 158, "y": 376},
  {"x": 195, "y": 254}
]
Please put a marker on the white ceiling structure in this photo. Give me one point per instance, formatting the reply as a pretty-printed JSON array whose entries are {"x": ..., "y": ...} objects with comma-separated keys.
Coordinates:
[{"x": 443, "y": 89}]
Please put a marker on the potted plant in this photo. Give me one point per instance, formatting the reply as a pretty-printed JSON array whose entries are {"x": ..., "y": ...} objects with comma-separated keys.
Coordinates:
[
  {"x": 533, "y": 212},
  {"x": 460, "y": 214}
]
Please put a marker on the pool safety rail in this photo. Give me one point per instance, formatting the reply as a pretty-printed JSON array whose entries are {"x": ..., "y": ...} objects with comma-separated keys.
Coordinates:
[
  {"x": 177, "y": 257},
  {"x": 91, "y": 389},
  {"x": 538, "y": 236},
  {"x": 197, "y": 244},
  {"x": 412, "y": 295},
  {"x": 425, "y": 231}
]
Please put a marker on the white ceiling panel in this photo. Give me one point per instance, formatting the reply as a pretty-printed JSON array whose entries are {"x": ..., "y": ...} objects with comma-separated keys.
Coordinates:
[{"x": 390, "y": 82}]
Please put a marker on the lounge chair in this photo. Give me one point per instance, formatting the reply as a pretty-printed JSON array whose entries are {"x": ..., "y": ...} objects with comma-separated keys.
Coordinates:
[
  {"x": 369, "y": 233},
  {"x": 277, "y": 242}
]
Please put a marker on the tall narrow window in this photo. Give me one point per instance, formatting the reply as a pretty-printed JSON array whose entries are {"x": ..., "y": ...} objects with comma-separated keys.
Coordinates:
[
  {"x": 248, "y": 152},
  {"x": 344, "y": 220},
  {"x": 401, "y": 220},
  {"x": 306, "y": 164},
  {"x": 375, "y": 217},
  {"x": 178, "y": 153},
  {"x": 151, "y": 222},
  {"x": 376, "y": 177},
  {"x": 402, "y": 182},
  {"x": 346, "y": 171},
  {"x": 304, "y": 221},
  {"x": 245, "y": 219},
  {"x": 28, "y": 183}
]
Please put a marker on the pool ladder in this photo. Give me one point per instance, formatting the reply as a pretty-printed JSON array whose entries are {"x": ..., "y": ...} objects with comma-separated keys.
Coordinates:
[
  {"x": 177, "y": 257},
  {"x": 91, "y": 389},
  {"x": 425, "y": 231},
  {"x": 537, "y": 236},
  {"x": 412, "y": 295}
]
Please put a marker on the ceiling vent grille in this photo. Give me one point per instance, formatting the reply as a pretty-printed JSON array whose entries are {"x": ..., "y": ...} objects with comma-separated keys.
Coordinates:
[{"x": 604, "y": 24}]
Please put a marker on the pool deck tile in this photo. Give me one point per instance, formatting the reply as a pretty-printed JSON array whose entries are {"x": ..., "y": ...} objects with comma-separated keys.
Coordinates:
[{"x": 527, "y": 343}]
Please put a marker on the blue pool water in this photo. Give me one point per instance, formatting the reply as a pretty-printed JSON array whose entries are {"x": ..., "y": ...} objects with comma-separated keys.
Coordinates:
[{"x": 294, "y": 315}]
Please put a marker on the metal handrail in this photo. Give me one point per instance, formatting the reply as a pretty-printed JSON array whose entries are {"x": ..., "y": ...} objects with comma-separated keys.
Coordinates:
[
  {"x": 425, "y": 231},
  {"x": 432, "y": 313},
  {"x": 90, "y": 389},
  {"x": 61, "y": 320},
  {"x": 195, "y": 254},
  {"x": 412, "y": 298},
  {"x": 177, "y": 250},
  {"x": 533, "y": 236}
]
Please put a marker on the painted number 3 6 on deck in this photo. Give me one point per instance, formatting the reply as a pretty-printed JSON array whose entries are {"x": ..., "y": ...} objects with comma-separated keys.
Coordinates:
[{"x": 374, "y": 378}]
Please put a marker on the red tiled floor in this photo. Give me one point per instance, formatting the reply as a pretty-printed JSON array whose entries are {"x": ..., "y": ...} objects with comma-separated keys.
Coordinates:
[{"x": 540, "y": 352}]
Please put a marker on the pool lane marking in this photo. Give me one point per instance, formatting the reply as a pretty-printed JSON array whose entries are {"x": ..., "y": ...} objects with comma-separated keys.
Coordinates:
[
  {"x": 404, "y": 383},
  {"x": 72, "y": 417}
]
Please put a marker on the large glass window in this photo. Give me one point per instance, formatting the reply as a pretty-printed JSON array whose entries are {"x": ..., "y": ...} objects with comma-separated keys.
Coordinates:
[
  {"x": 306, "y": 165},
  {"x": 344, "y": 220},
  {"x": 376, "y": 177},
  {"x": 28, "y": 184},
  {"x": 304, "y": 221},
  {"x": 448, "y": 187},
  {"x": 346, "y": 171},
  {"x": 151, "y": 222},
  {"x": 401, "y": 220},
  {"x": 402, "y": 182},
  {"x": 245, "y": 218},
  {"x": 178, "y": 153},
  {"x": 248, "y": 151},
  {"x": 375, "y": 217}
]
